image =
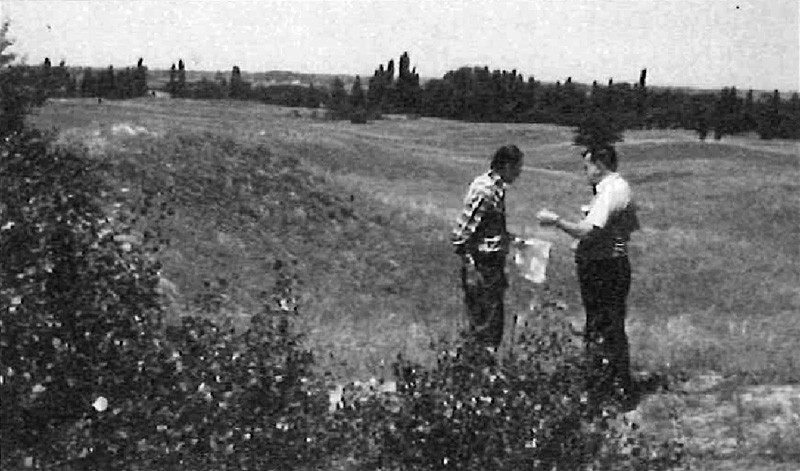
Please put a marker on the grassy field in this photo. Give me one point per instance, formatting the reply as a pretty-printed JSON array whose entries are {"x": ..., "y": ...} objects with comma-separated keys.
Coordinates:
[
  {"x": 715, "y": 266},
  {"x": 366, "y": 211}
]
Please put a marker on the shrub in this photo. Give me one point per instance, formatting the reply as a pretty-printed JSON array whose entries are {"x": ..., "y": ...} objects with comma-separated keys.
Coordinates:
[
  {"x": 77, "y": 308},
  {"x": 358, "y": 116},
  {"x": 474, "y": 411},
  {"x": 598, "y": 129},
  {"x": 90, "y": 377}
]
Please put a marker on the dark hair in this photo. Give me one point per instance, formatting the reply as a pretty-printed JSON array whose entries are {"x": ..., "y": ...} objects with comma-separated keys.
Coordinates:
[
  {"x": 509, "y": 154},
  {"x": 606, "y": 155}
]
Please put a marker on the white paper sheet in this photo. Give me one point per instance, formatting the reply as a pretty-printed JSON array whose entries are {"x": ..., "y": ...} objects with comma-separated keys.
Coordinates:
[{"x": 531, "y": 258}]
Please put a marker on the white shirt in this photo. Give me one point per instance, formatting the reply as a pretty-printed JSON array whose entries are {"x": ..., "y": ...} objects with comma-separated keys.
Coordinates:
[
  {"x": 613, "y": 214},
  {"x": 613, "y": 196}
]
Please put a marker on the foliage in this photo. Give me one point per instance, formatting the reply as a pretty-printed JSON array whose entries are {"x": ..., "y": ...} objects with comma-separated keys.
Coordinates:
[
  {"x": 90, "y": 378},
  {"x": 475, "y": 411},
  {"x": 389, "y": 95},
  {"x": 239, "y": 89},
  {"x": 291, "y": 95},
  {"x": 110, "y": 83},
  {"x": 77, "y": 307},
  {"x": 20, "y": 87},
  {"x": 598, "y": 129},
  {"x": 15, "y": 99},
  {"x": 467, "y": 93},
  {"x": 353, "y": 107},
  {"x": 357, "y": 99},
  {"x": 6, "y": 57}
]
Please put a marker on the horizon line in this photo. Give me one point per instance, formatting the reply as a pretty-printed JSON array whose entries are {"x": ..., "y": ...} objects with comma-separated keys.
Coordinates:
[{"x": 428, "y": 78}]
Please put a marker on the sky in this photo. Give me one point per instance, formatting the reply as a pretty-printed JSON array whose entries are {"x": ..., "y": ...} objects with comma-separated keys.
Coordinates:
[{"x": 696, "y": 43}]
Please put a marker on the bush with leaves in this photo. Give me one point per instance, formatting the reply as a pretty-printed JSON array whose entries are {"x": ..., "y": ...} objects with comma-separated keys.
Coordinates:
[
  {"x": 598, "y": 129},
  {"x": 90, "y": 377},
  {"x": 77, "y": 308},
  {"x": 528, "y": 409},
  {"x": 219, "y": 398}
]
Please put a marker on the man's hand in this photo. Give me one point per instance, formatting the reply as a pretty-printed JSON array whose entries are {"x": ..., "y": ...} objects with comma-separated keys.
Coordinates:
[
  {"x": 547, "y": 217},
  {"x": 515, "y": 241},
  {"x": 473, "y": 276}
]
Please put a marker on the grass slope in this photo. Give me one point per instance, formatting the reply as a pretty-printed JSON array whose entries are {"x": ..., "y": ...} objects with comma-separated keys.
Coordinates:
[
  {"x": 715, "y": 267},
  {"x": 366, "y": 211}
]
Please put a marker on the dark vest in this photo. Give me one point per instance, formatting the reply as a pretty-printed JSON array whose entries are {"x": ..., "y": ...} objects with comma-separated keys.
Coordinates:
[
  {"x": 491, "y": 235},
  {"x": 610, "y": 241}
]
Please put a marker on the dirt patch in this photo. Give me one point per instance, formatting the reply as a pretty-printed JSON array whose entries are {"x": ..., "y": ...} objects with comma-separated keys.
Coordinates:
[{"x": 127, "y": 129}]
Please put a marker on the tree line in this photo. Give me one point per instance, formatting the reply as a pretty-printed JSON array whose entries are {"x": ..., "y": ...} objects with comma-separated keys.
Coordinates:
[
  {"x": 468, "y": 93},
  {"x": 478, "y": 94},
  {"x": 62, "y": 82}
]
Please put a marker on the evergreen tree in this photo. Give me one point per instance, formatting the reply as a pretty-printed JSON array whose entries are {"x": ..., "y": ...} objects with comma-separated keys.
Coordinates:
[
  {"x": 337, "y": 104},
  {"x": 529, "y": 98},
  {"x": 108, "y": 83},
  {"x": 239, "y": 89},
  {"x": 88, "y": 83},
  {"x": 727, "y": 116},
  {"x": 390, "y": 73},
  {"x": 768, "y": 119},
  {"x": 13, "y": 100},
  {"x": 407, "y": 86},
  {"x": 140, "y": 78},
  {"x": 45, "y": 85},
  {"x": 571, "y": 103},
  {"x": 357, "y": 98},
  {"x": 702, "y": 117},
  {"x": 172, "y": 85},
  {"x": 749, "y": 113},
  {"x": 221, "y": 84},
  {"x": 181, "y": 86},
  {"x": 6, "y": 56},
  {"x": 72, "y": 87},
  {"x": 597, "y": 129},
  {"x": 312, "y": 97},
  {"x": 641, "y": 99},
  {"x": 437, "y": 99},
  {"x": 378, "y": 89},
  {"x": 125, "y": 83},
  {"x": 61, "y": 79},
  {"x": 792, "y": 121}
]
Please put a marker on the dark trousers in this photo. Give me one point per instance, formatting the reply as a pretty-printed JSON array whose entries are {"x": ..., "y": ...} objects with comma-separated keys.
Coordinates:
[
  {"x": 604, "y": 289},
  {"x": 484, "y": 300}
]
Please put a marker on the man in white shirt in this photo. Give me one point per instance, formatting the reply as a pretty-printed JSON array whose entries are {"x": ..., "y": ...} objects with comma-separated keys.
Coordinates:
[{"x": 603, "y": 267}]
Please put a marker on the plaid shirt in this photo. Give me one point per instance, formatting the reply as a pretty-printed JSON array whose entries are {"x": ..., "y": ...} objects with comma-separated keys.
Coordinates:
[{"x": 482, "y": 225}]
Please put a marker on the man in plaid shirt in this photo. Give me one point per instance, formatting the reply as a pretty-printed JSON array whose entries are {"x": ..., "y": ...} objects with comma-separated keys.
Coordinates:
[{"x": 482, "y": 241}]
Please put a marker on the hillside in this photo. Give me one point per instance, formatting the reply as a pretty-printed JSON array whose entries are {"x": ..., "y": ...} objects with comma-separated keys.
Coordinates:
[
  {"x": 365, "y": 210},
  {"x": 238, "y": 206},
  {"x": 693, "y": 304}
]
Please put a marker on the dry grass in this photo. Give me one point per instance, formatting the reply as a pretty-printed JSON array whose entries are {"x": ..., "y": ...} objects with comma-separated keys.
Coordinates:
[
  {"x": 715, "y": 268},
  {"x": 715, "y": 291}
]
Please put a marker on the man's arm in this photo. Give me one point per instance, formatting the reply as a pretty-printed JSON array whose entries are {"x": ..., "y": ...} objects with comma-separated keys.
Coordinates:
[
  {"x": 578, "y": 230},
  {"x": 597, "y": 217}
]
